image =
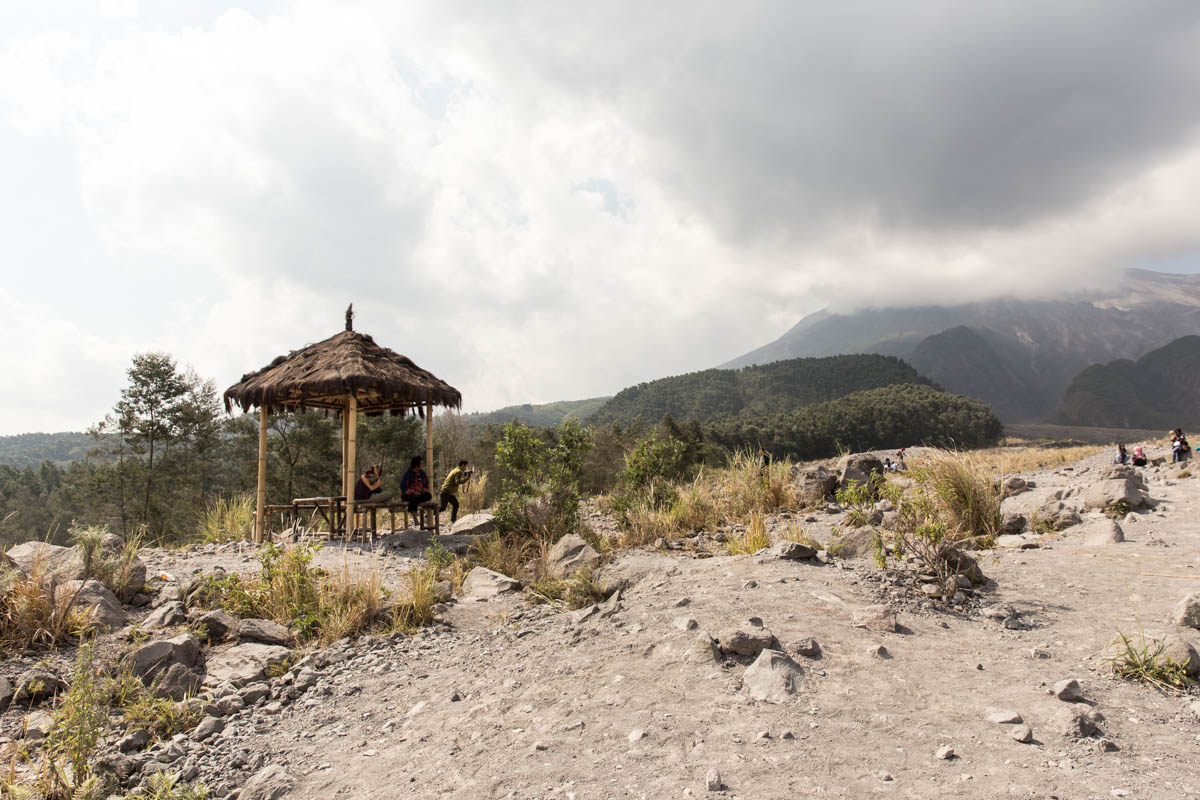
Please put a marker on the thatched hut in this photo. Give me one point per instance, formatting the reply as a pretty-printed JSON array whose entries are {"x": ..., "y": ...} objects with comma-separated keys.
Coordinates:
[{"x": 347, "y": 374}]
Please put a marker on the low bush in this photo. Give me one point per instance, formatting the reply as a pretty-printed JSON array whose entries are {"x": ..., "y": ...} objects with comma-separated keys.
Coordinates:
[
  {"x": 752, "y": 539},
  {"x": 228, "y": 519},
  {"x": 36, "y": 611},
  {"x": 1143, "y": 659},
  {"x": 967, "y": 493},
  {"x": 578, "y": 590}
]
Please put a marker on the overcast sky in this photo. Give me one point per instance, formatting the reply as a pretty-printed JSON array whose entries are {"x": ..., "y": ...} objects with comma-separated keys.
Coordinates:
[{"x": 552, "y": 200}]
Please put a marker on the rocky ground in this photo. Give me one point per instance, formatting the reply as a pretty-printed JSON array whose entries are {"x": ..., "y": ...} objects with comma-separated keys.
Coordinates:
[{"x": 733, "y": 676}]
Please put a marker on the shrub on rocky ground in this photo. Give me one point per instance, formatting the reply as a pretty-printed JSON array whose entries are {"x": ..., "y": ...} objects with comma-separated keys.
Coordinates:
[
  {"x": 228, "y": 519},
  {"x": 37, "y": 611},
  {"x": 752, "y": 539},
  {"x": 1145, "y": 659}
]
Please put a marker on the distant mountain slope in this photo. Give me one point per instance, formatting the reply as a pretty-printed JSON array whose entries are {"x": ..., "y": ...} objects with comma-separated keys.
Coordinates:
[
  {"x": 1023, "y": 353},
  {"x": 1160, "y": 390},
  {"x": 775, "y": 388},
  {"x": 541, "y": 415},
  {"x": 31, "y": 449}
]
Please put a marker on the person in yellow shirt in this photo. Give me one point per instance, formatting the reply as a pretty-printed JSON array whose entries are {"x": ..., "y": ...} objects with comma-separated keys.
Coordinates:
[{"x": 449, "y": 497}]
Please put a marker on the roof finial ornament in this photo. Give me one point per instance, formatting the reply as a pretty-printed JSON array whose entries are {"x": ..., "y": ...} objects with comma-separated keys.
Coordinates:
[{"x": 350, "y": 317}]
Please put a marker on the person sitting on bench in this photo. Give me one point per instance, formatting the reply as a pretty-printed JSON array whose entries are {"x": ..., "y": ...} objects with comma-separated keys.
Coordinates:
[
  {"x": 414, "y": 485},
  {"x": 457, "y": 477},
  {"x": 369, "y": 486}
]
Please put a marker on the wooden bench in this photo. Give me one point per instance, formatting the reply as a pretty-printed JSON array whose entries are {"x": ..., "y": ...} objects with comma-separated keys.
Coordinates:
[{"x": 429, "y": 516}]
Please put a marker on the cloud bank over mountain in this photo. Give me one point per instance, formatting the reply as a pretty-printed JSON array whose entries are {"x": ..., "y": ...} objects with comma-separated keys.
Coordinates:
[{"x": 555, "y": 200}]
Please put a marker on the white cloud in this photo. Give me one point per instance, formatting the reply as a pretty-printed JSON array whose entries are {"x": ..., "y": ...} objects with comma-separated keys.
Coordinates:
[{"x": 553, "y": 201}]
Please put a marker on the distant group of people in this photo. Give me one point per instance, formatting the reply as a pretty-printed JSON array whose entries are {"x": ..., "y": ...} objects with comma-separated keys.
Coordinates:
[
  {"x": 1180, "y": 451},
  {"x": 414, "y": 486}
]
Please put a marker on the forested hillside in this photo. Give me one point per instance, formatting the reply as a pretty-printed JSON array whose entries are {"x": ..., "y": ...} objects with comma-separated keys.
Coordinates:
[
  {"x": 540, "y": 415},
  {"x": 31, "y": 449},
  {"x": 765, "y": 390},
  {"x": 1160, "y": 390},
  {"x": 902, "y": 415}
]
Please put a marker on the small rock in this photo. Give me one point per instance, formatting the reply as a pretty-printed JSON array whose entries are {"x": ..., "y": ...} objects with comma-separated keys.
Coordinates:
[
  {"x": 885, "y": 776},
  {"x": 37, "y": 725},
  {"x": 1068, "y": 690},
  {"x": 1187, "y": 611},
  {"x": 263, "y": 630},
  {"x": 219, "y": 625},
  {"x": 879, "y": 651},
  {"x": 875, "y": 618},
  {"x": 685, "y": 623},
  {"x": 793, "y": 551},
  {"x": 1022, "y": 734},
  {"x": 1077, "y": 724},
  {"x": 713, "y": 781},
  {"x": 35, "y": 685},
  {"x": 167, "y": 615},
  {"x": 270, "y": 783},
  {"x": 1005, "y": 718},
  {"x": 483, "y": 584},
  {"x": 133, "y": 741},
  {"x": 945, "y": 753},
  {"x": 636, "y": 735},
  {"x": 703, "y": 650},
  {"x": 772, "y": 678},
  {"x": 807, "y": 647},
  {"x": 207, "y": 727},
  {"x": 740, "y": 642}
]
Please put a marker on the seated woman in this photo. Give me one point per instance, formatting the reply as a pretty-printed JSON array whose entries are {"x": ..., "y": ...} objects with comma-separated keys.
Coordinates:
[
  {"x": 369, "y": 486},
  {"x": 414, "y": 485},
  {"x": 1122, "y": 456},
  {"x": 1139, "y": 456}
]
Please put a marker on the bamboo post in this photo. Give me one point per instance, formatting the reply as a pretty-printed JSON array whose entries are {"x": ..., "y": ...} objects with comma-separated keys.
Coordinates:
[
  {"x": 351, "y": 464},
  {"x": 429, "y": 441},
  {"x": 261, "y": 494}
]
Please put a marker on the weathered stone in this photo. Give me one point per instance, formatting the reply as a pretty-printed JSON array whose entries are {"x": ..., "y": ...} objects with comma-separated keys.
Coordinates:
[
  {"x": 133, "y": 741},
  {"x": 254, "y": 692},
  {"x": 208, "y": 727},
  {"x": 1005, "y": 718},
  {"x": 876, "y": 618},
  {"x": 807, "y": 647},
  {"x": 772, "y": 678},
  {"x": 570, "y": 554},
  {"x": 712, "y": 781},
  {"x": 964, "y": 564},
  {"x": 854, "y": 543},
  {"x": 167, "y": 615},
  {"x": 219, "y": 625},
  {"x": 476, "y": 524},
  {"x": 1013, "y": 485},
  {"x": 793, "y": 551},
  {"x": 1107, "y": 532},
  {"x": 1068, "y": 690},
  {"x": 132, "y": 575},
  {"x": 35, "y": 685},
  {"x": 685, "y": 623},
  {"x": 858, "y": 469},
  {"x": 814, "y": 485},
  {"x": 740, "y": 642},
  {"x": 1076, "y": 724},
  {"x": 1057, "y": 515},
  {"x": 703, "y": 650},
  {"x": 1111, "y": 493},
  {"x": 1187, "y": 611},
  {"x": 945, "y": 753},
  {"x": 152, "y": 657},
  {"x": 176, "y": 682},
  {"x": 1183, "y": 653},
  {"x": 36, "y": 725},
  {"x": 6, "y": 693},
  {"x": 245, "y": 663},
  {"x": 270, "y": 783},
  {"x": 879, "y": 651},
  {"x": 263, "y": 630},
  {"x": 102, "y": 606},
  {"x": 1013, "y": 524},
  {"x": 1022, "y": 733},
  {"x": 482, "y": 584},
  {"x": 50, "y": 558}
]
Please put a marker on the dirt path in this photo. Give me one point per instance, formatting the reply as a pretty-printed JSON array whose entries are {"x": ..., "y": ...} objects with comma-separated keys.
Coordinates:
[{"x": 505, "y": 700}]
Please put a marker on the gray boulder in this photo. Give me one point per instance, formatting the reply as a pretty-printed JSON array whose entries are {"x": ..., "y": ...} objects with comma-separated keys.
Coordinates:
[
  {"x": 1187, "y": 611},
  {"x": 772, "y": 678},
  {"x": 1184, "y": 653},
  {"x": 1012, "y": 524},
  {"x": 814, "y": 485},
  {"x": 1109, "y": 493},
  {"x": 703, "y": 650},
  {"x": 103, "y": 609},
  {"x": 570, "y": 554},
  {"x": 6, "y": 693},
  {"x": 858, "y": 468},
  {"x": 1012, "y": 486},
  {"x": 877, "y": 618},
  {"x": 476, "y": 524},
  {"x": 35, "y": 685},
  {"x": 62, "y": 561},
  {"x": 167, "y": 615},
  {"x": 1058, "y": 515},
  {"x": 37, "y": 725},
  {"x": 793, "y": 551},
  {"x": 263, "y": 630},
  {"x": 151, "y": 658},
  {"x": 245, "y": 663},
  {"x": 177, "y": 682},
  {"x": 1107, "y": 532},
  {"x": 482, "y": 584},
  {"x": 219, "y": 625}
]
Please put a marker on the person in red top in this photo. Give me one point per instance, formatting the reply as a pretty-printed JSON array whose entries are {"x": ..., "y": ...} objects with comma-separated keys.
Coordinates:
[{"x": 414, "y": 485}]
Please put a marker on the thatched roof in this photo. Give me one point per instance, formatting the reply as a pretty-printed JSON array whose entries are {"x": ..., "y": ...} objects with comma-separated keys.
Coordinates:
[{"x": 323, "y": 375}]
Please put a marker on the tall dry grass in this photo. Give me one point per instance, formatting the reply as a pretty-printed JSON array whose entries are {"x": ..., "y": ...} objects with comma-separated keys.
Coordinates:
[
  {"x": 966, "y": 491},
  {"x": 228, "y": 519},
  {"x": 36, "y": 611}
]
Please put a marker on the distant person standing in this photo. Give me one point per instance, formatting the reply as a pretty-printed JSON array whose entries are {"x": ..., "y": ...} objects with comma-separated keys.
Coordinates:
[
  {"x": 414, "y": 485},
  {"x": 457, "y": 478}
]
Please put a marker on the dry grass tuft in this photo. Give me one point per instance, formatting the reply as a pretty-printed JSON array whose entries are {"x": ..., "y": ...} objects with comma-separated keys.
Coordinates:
[
  {"x": 1143, "y": 659},
  {"x": 752, "y": 539},
  {"x": 228, "y": 519},
  {"x": 36, "y": 611}
]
